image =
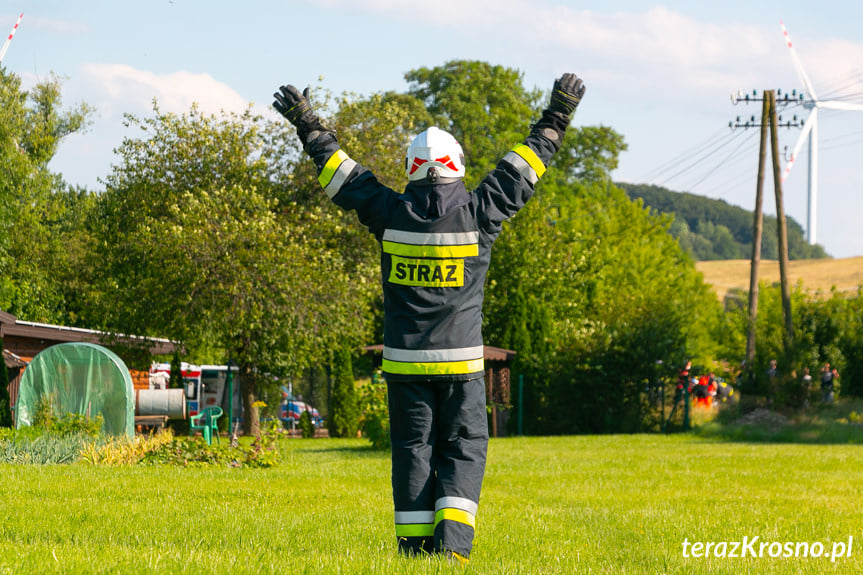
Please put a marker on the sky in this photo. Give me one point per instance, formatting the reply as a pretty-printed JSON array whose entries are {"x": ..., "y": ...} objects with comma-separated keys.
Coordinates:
[{"x": 661, "y": 74}]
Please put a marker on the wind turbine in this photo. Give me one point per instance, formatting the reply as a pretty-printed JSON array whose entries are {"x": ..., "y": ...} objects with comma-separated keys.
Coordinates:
[
  {"x": 810, "y": 130},
  {"x": 9, "y": 39}
]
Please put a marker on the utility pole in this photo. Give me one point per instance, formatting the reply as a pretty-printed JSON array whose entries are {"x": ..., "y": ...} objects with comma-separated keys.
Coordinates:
[
  {"x": 781, "y": 228},
  {"x": 757, "y": 228},
  {"x": 768, "y": 119}
]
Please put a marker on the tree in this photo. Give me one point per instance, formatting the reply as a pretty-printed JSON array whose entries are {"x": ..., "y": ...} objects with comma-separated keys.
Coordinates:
[
  {"x": 589, "y": 154},
  {"x": 711, "y": 229},
  {"x": 638, "y": 300},
  {"x": 851, "y": 345},
  {"x": 39, "y": 253},
  {"x": 828, "y": 328},
  {"x": 343, "y": 415},
  {"x": 196, "y": 248}
]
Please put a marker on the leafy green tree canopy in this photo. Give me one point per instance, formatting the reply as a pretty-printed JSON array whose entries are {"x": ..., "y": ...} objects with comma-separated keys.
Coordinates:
[
  {"x": 34, "y": 261},
  {"x": 196, "y": 247}
]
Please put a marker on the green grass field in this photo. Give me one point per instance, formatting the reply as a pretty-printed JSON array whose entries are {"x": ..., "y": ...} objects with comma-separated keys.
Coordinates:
[{"x": 593, "y": 504}]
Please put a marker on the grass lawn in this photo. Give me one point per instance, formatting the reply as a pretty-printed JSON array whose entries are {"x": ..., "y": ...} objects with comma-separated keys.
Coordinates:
[{"x": 593, "y": 504}]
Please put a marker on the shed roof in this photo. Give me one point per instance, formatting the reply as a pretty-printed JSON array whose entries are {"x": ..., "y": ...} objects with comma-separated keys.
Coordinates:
[
  {"x": 51, "y": 334},
  {"x": 12, "y": 360}
]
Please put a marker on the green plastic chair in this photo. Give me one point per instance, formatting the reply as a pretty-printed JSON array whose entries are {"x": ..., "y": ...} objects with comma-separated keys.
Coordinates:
[{"x": 207, "y": 422}]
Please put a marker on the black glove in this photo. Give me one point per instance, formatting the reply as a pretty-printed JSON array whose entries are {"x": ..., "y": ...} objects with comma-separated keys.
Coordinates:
[
  {"x": 291, "y": 104},
  {"x": 566, "y": 94},
  {"x": 298, "y": 110}
]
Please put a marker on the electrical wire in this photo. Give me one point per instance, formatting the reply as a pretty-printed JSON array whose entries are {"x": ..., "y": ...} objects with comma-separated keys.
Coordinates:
[
  {"x": 709, "y": 141},
  {"x": 708, "y": 155},
  {"x": 722, "y": 188},
  {"x": 724, "y": 162},
  {"x": 846, "y": 138},
  {"x": 844, "y": 83}
]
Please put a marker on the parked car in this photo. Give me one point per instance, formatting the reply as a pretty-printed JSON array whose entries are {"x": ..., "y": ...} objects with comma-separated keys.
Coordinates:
[{"x": 291, "y": 409}]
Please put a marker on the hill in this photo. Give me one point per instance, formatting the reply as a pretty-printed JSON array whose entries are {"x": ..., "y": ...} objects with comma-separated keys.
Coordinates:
[
  {"x": 711, "y": 229},
  {"x": 820, "y": 275}
]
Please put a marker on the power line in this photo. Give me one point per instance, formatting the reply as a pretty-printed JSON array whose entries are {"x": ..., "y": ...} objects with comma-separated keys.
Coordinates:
[
  {"x": 658, "y": 170},
  {"x": 734, "y": 152},
  {"x": 842, "y": 144},
  {"x": 725, "y": 185},
  {"x": 853, "y": 80},
  {"x": 707, "y": 155}
]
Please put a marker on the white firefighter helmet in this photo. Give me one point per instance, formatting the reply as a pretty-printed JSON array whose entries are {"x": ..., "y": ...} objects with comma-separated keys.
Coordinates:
[{"x": 436, "y": 149}]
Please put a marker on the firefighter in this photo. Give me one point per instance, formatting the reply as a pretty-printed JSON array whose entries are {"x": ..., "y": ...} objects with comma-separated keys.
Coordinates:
[{"x": 435, "y": 240}]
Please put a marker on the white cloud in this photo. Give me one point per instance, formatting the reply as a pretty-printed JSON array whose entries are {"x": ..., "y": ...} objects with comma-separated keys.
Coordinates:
[
  {"x": 656, "y": 49},
  {"x": 660, "y": 49},
  {"x": 120, "y": 88}
]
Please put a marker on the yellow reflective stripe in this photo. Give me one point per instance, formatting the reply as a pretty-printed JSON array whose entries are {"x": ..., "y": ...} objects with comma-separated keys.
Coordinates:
[
  {"x": 397, "y": 249},
  {"x": 431, "y": 245},
  {"x": 330, "y": 167},
  {"x": 531, "y": 158},
  {"x": 415, "y": 530},
  {"x": 437, "y": 368},
  {"x": 335, "y": 173},
  {"x": 458, "y": 515}
]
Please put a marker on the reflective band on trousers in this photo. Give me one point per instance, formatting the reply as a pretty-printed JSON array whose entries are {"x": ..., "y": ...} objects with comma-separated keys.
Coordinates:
[
  {"x": 414, "y": 523},
  {"x": 458, "y": 361},
  {"x": 454, "y": 515},
  {"x": 335, "y": 172},
  {"x": 441, "y": 245},
  {"x": 525, "y": 160},
  {"x": 415, "y": 530},
  {"x": 457, "y": 503},
  {"x": 458, "y": 509}
]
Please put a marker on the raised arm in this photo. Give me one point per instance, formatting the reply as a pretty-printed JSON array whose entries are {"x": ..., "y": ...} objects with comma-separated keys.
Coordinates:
[
  {"x": 347, "y": 183},
  {"x": 508, "y": 188}
]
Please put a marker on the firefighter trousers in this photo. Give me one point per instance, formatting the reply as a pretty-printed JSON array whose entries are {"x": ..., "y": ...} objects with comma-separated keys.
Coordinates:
[{"x": 439, "y": 435}]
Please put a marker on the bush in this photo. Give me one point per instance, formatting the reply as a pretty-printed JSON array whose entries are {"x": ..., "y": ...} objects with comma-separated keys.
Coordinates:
[
  {"x": 375, "y": 413},
  {"x": 343, "y": 409},
  {"x": 47, "y": 420},
  {"x": 307, "y": 426},
  {"x": 51, "y": 438},
  {"x": 123, "y": 451},
  {"x": 35, "y": 446},
  {"x": 76, "y": 423},
  {"x": 194, "y": 452},
  {"x": 45, "y": 416}
]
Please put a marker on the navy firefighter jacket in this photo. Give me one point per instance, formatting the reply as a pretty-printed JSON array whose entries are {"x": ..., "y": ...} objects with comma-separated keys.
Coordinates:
[{"x": 435, "y": 244}]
